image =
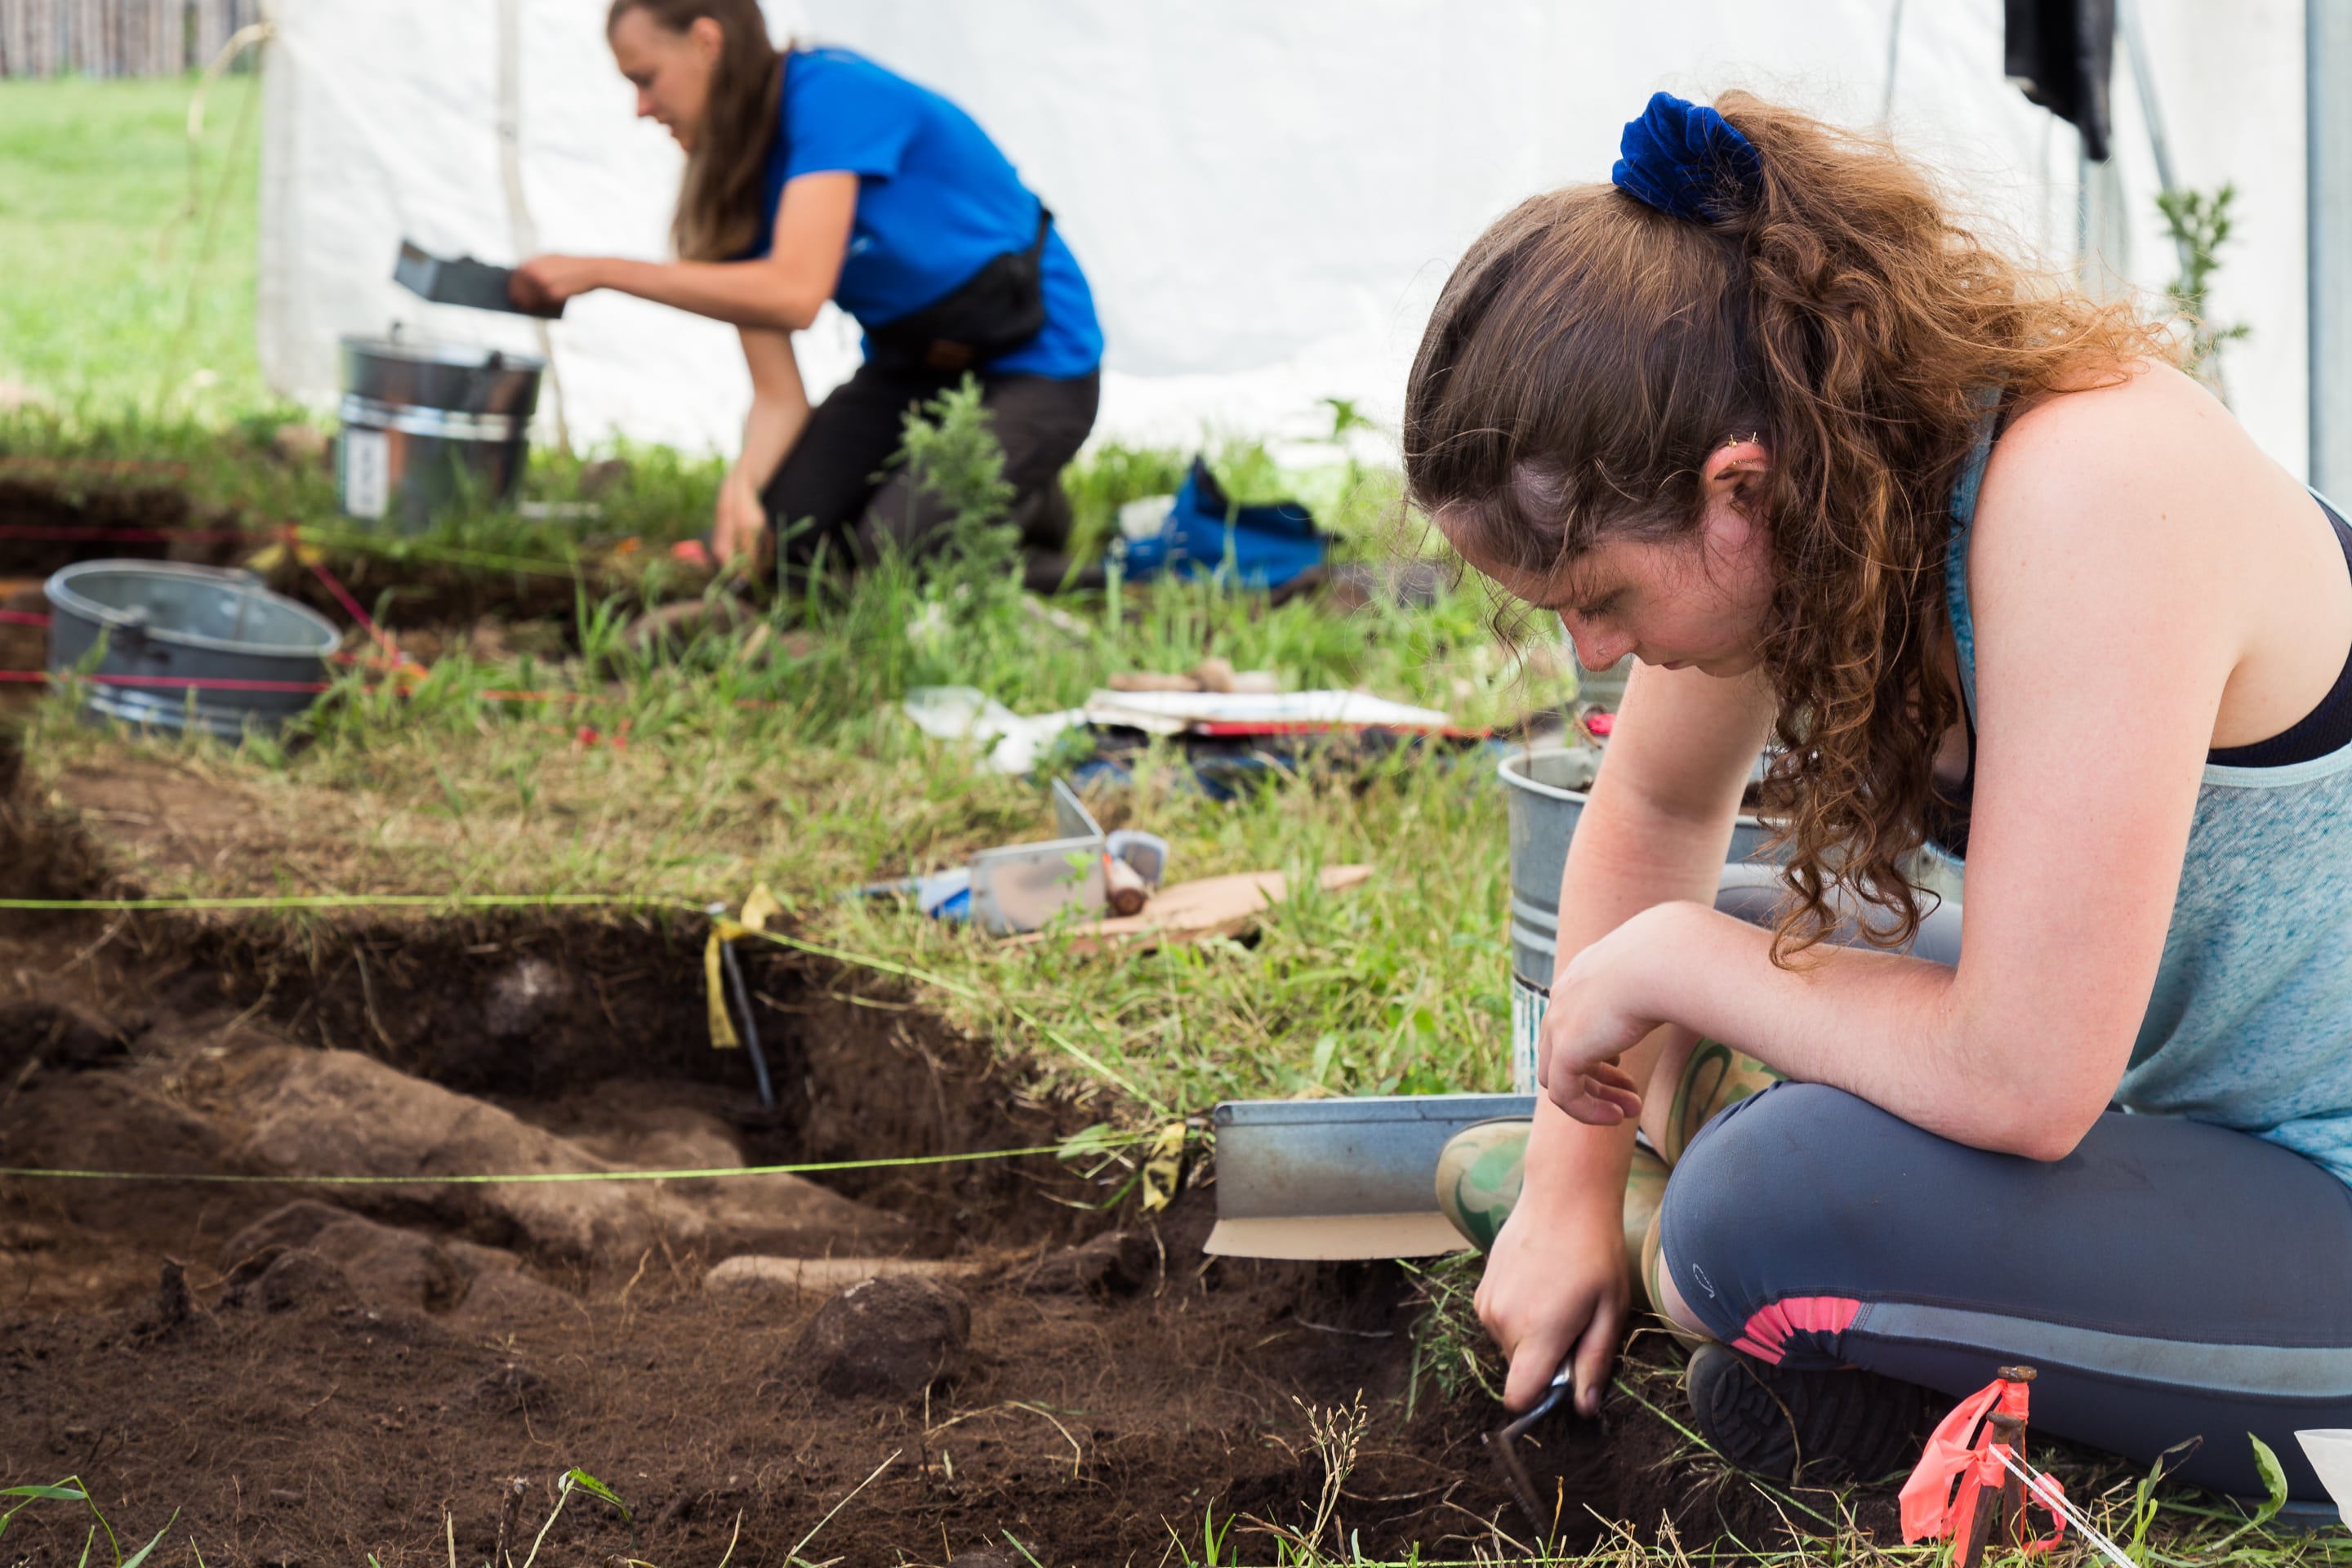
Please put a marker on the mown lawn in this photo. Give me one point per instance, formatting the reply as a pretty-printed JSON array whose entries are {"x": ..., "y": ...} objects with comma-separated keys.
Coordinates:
[{"x": 126, "y": 282}]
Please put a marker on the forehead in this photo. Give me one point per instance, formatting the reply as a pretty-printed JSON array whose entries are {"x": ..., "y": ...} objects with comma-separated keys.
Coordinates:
[
  {"x": 1578, "y": 578},
  {"x": 636, "y": 36}
]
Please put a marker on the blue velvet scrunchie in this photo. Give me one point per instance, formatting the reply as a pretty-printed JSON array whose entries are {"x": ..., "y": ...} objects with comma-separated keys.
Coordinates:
[{"x": 1684, "y": 159}]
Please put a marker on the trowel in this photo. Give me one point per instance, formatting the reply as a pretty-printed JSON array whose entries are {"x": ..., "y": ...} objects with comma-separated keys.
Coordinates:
[
  {"x": 463, "y": 281},
  {"x": 1335, "y": 1179}
]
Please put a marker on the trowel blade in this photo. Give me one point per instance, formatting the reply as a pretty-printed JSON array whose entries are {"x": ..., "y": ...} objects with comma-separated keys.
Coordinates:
[{"x": 1322, "y": 1179}]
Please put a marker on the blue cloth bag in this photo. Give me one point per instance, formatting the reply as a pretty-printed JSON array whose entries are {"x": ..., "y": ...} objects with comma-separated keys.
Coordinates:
[{"x": 1262, "y": 547}]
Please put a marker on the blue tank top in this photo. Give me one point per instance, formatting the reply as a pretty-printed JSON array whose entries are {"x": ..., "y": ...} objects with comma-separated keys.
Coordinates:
[{"x": 2249, "y": 1023}]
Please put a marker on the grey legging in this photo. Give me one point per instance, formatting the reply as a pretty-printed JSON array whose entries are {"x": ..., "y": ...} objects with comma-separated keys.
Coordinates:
[{"x": 2169, "y": 1279}]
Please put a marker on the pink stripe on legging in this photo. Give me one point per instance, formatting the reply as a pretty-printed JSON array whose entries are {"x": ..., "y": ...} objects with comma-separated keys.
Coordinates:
[{"x": 1766, "y": 1337}]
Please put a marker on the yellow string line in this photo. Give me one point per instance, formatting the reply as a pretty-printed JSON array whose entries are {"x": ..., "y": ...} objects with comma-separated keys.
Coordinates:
[
  {"x": 970, "y": 993},
  {"x": 543, "y": 1178},
  {"x": 574, "y": 900}
]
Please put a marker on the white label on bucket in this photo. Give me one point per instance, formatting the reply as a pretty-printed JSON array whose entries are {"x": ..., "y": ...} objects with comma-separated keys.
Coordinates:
[
  {"x": 367, "y": 472},
  {"x": 1527, "y": 1005}
]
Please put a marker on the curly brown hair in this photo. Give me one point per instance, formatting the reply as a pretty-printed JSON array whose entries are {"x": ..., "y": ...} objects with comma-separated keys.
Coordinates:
[
  {"x": 721, "y": 206},
  {"x": 1589, "y": 352}
]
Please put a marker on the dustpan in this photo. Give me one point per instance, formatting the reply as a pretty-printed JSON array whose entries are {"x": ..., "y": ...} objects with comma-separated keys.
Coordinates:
[{"x": 1336, "y": 1179}]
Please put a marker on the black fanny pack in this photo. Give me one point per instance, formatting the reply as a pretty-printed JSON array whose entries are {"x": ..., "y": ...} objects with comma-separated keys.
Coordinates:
[{"x": 993, "y": 311}]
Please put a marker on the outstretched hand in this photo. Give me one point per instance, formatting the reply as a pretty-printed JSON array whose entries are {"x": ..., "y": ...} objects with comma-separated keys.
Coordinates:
[{"x": 546, "y": 281}]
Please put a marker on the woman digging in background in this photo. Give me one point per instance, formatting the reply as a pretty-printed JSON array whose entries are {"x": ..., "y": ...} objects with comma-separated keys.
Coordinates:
[
  {"x": 814, "y": 174},
  {"x": 2003, "y": 585}
]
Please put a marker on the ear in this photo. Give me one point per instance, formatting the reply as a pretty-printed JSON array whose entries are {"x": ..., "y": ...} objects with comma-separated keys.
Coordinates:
[
  {"x": 709, "y": 38},
  {"x": 1733, "y": 469}
]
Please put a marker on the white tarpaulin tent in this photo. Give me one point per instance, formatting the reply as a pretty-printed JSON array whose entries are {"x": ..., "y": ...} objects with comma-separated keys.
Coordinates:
[{"x": 1267, "y": 197}]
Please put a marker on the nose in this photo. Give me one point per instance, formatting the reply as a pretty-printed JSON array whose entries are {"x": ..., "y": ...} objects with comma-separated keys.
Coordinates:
[
  {"x": 1596, "y": 649},
  {"x": 645, "y": 104}
]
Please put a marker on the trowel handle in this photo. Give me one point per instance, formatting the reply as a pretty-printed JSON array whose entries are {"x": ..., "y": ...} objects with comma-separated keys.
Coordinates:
[{"x": 1562, "y": 1382}]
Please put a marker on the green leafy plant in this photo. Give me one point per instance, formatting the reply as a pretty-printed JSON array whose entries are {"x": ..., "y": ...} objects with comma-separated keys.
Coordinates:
[
  {"x": 949, "y": 450},
  {"x": 2199, "y": 224}
]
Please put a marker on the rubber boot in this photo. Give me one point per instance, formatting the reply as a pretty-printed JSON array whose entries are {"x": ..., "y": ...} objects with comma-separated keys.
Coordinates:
[
  {"x": 1714, "y": 1079},
  {"x": 1481, "y": 1169}
]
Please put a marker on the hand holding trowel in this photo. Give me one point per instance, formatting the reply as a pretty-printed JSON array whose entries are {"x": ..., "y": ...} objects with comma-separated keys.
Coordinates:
[{"x": 466, "y": 281}]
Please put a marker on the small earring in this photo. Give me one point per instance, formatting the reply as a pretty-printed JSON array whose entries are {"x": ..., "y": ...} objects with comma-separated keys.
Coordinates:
[{"x": 1757, "y": 437}]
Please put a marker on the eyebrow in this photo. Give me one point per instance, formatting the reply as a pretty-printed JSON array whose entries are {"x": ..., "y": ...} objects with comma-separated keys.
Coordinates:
[{"x": 1572, "y": 585}]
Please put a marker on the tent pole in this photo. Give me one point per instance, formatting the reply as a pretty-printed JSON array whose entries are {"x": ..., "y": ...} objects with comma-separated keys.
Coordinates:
[
  {"x": 526, "y": 233},
  {"x": 2144, "y": 84},
  {"x": 2327, "y": 195}
]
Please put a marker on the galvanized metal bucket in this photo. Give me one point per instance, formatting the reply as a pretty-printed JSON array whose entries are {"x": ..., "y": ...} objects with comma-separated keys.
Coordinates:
[
  {"x": 1544, "y": 792},
  {"x": 426, "y": 425},
  {"x": 186, "y": 645}
]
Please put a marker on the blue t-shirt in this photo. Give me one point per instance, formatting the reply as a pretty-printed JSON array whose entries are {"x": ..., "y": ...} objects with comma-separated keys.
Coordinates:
[{"x": 936, "y": 203}]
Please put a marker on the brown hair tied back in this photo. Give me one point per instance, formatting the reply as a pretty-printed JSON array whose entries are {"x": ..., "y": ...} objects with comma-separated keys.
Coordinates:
[
  {"x": 719, "y": 209},
  {"x": 1589, "y": 352}
]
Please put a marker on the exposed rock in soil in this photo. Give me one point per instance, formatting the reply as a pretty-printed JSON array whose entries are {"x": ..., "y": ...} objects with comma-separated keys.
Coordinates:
[
  {"x": 101, "y": 1121},
  {"x": 295, "y": 1225},
  {"x": 887, "y": 1339},
  {"x": 1111, "y": 1264},
  {"x": 298, "y": 1277},
  {"x": 523, "y": 998},
  {"x": 393, "y": 1267},
  {"x": 388, "y": 1266}
]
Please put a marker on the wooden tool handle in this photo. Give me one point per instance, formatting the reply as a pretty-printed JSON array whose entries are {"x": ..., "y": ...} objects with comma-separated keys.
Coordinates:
[{"x": 1124, "y": 886}]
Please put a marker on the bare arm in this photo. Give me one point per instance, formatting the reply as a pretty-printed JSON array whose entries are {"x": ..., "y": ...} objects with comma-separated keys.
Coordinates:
[
  {"x": 1654, "y": 831},
  {"x": 780, "y": 409},
  {"x": 779, "y": 406},
  {"x": 778, "y": 293},
  {"x": 2112, "y": 609}
]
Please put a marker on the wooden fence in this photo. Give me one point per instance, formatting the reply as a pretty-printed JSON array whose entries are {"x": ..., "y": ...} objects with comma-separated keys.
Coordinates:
[{"x": 117, "y": 37}]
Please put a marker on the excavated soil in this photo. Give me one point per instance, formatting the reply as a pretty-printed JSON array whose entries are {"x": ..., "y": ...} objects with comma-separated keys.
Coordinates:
[{"x": 307, "y": 1373}]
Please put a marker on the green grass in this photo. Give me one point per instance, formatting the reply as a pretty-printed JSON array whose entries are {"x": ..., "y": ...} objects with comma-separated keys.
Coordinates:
[
  {"x": 125, "y": 289},
  {"x": 776, "y": 753}
]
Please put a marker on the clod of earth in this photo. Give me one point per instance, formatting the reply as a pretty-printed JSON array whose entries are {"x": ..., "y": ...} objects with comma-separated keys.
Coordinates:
[
  {"x": 1111, "y": 1264},
  {"x": 889, "y": 1338},
  {"x": 295, "y": 1278}
]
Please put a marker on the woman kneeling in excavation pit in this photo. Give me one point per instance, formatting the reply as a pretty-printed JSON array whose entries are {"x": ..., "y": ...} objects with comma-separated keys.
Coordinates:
[{"x": 2002, "y": 584}]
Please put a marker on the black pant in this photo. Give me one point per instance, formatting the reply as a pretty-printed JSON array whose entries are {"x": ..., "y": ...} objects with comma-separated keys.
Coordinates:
[{"x": 832, "y": 489}]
